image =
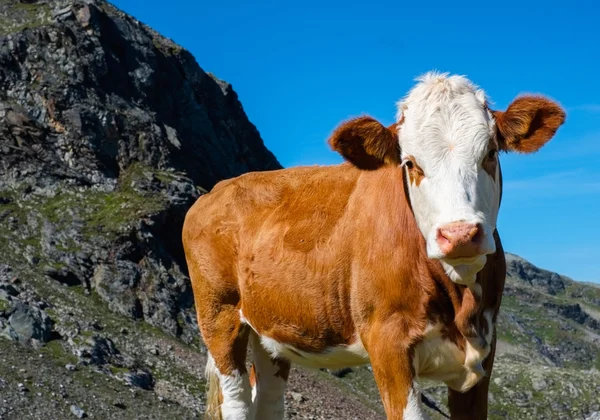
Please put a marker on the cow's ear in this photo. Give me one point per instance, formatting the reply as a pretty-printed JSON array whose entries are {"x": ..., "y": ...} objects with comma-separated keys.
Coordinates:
[
  {"x": 528, "y": 123},
  {"x": 366, "y": 143}
]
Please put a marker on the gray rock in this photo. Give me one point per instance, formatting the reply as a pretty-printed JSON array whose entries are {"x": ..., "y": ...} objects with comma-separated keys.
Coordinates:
[
  {"x": 140, "y": 379},
  {"x": 576, "y": 313},
  {"x": 9, "y": 334},
  {"x": 539, "y": 384},
  {"x": 296, "y": 396},
  {"x": 116, "y": 284},
  {"x": 529, "y": 273},
  {"x": 6, "y": 274},
  {"x": 98, "y": 350},
  {"x": 7, "y": 291},
  {"x": 31, "y": 325},
  {"x": 78, "y": 412}
]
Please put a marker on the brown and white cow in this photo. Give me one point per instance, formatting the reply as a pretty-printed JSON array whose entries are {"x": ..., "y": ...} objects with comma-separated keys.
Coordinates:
[{"x": 391, "y": 258}]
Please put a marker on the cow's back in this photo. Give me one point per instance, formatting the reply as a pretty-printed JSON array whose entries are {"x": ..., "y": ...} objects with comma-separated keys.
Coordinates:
[{"x": 310, "y": 194}]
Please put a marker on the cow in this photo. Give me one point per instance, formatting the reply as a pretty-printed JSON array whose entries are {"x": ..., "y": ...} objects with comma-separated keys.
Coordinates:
[{"x": 391, "y": 258}]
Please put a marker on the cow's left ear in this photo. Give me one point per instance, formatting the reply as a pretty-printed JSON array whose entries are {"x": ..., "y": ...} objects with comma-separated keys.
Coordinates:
[{"x": 528, "y": 123}]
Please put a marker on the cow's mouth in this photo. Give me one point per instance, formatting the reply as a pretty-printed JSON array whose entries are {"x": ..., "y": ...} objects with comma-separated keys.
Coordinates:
[
  {"x": 464, "y": 270},
  {"x": 460, "y": 261}
]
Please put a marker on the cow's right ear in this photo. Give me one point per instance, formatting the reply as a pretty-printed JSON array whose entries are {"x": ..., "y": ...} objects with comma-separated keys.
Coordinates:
[{"x": 366, "y": 143}]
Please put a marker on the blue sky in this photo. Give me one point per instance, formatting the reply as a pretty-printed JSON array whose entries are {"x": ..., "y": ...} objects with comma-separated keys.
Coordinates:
[{"x": 300, "y": 68}]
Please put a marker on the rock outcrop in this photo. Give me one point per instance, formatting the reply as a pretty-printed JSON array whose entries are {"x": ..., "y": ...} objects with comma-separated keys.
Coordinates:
[{"x": 108, "y": 133}]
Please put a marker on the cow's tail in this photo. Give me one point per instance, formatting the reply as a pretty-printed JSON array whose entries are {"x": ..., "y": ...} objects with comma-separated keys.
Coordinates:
[{"x": 213, "y": 391}]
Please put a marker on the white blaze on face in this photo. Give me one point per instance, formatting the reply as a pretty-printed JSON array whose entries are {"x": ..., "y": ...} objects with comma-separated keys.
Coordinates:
[{"x": 448, "y": 132}]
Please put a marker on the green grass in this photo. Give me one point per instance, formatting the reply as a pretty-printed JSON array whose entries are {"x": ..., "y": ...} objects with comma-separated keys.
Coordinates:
[
  {"x": 25, "y": 16},
  {"x": 118, "y": 371},
  {"x": 57, "y": 352},
  {"x": 92, "y": 214},
  {"x": 97, "y": 212},
  {"x": 167, "y": 47},
  {"x": 544, "y": 323},
  {"x": 584, "y": 292},
  {"x": 33, "y": 7},
  {"x": 4, "y": 305}
]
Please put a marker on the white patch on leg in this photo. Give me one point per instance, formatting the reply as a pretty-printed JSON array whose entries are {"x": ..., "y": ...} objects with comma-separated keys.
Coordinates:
[
  {"x": 210, "y": 368},
  {"x": 236, "y": 391},
  {"x": 237, "y": 397},
  {"x": 269, "y": 390},
  {"x": 414, "y": 408}
]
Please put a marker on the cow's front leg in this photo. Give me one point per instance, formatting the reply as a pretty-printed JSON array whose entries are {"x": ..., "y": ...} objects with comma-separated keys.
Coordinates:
[{"x": 391, "y": 361}]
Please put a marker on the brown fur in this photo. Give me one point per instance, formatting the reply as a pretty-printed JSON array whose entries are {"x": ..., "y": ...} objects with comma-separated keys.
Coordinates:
[
  {"x": 311, "y": 255},
  {"x": 314, "y": 291},
  {"x": 366, "y": 143},
  {"x": 528, "y": 123}
]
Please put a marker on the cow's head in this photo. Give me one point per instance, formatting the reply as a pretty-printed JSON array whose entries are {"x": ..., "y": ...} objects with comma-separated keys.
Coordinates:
[{"x": 448, "y": 140}]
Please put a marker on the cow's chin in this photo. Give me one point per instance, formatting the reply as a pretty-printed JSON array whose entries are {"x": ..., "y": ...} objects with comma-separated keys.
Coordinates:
[{"x": 464, "y": 270}]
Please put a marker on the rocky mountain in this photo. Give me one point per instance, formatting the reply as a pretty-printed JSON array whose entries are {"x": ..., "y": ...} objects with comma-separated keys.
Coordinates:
[{"x": 108, "y": 133}]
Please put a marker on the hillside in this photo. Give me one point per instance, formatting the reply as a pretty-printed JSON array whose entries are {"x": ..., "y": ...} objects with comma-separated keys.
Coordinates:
[{"x": 108, "y": 133}]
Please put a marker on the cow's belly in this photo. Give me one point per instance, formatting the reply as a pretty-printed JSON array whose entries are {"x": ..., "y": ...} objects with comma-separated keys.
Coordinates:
[{"x": 330, "y": 357}]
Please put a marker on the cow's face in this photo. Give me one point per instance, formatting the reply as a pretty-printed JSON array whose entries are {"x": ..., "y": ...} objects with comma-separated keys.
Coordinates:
[{"x": 448, "y": 140}]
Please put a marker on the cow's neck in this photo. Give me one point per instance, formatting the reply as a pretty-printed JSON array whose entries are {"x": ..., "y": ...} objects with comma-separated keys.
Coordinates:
[{"x": 466, "y": 302}]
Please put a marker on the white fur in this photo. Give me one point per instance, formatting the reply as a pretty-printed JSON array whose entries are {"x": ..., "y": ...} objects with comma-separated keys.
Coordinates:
[
  {"x": 440, "y": 359},
  {"x": 464, "y": 272},
  {"x": 236, "y": 391},
  {"x": 437, "y": 358},
  {"x": 447, "y": 128},
  {"x": 268, "y": 395},
  {"x": 414, "y": 408},
  {"x": 332, "y": 358}
]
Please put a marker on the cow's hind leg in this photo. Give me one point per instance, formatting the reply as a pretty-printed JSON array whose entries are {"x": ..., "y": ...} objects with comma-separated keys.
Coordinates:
[
  {"x": 217, "y": 299},
  {"x": 270, "y": 380},
  {"x": 229, "y": 394}
]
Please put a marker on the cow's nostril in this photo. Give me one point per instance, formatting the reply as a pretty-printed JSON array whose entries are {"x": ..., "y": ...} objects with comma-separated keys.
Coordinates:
[
  {"x": 444, "y": 234},
  {"x": 478, "y": 236}
]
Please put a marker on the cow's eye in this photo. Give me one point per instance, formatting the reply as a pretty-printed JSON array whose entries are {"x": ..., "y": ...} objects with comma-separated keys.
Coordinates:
[
  {"x": 409, "y": 164},
  {"x": 492, "y": 154}
]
